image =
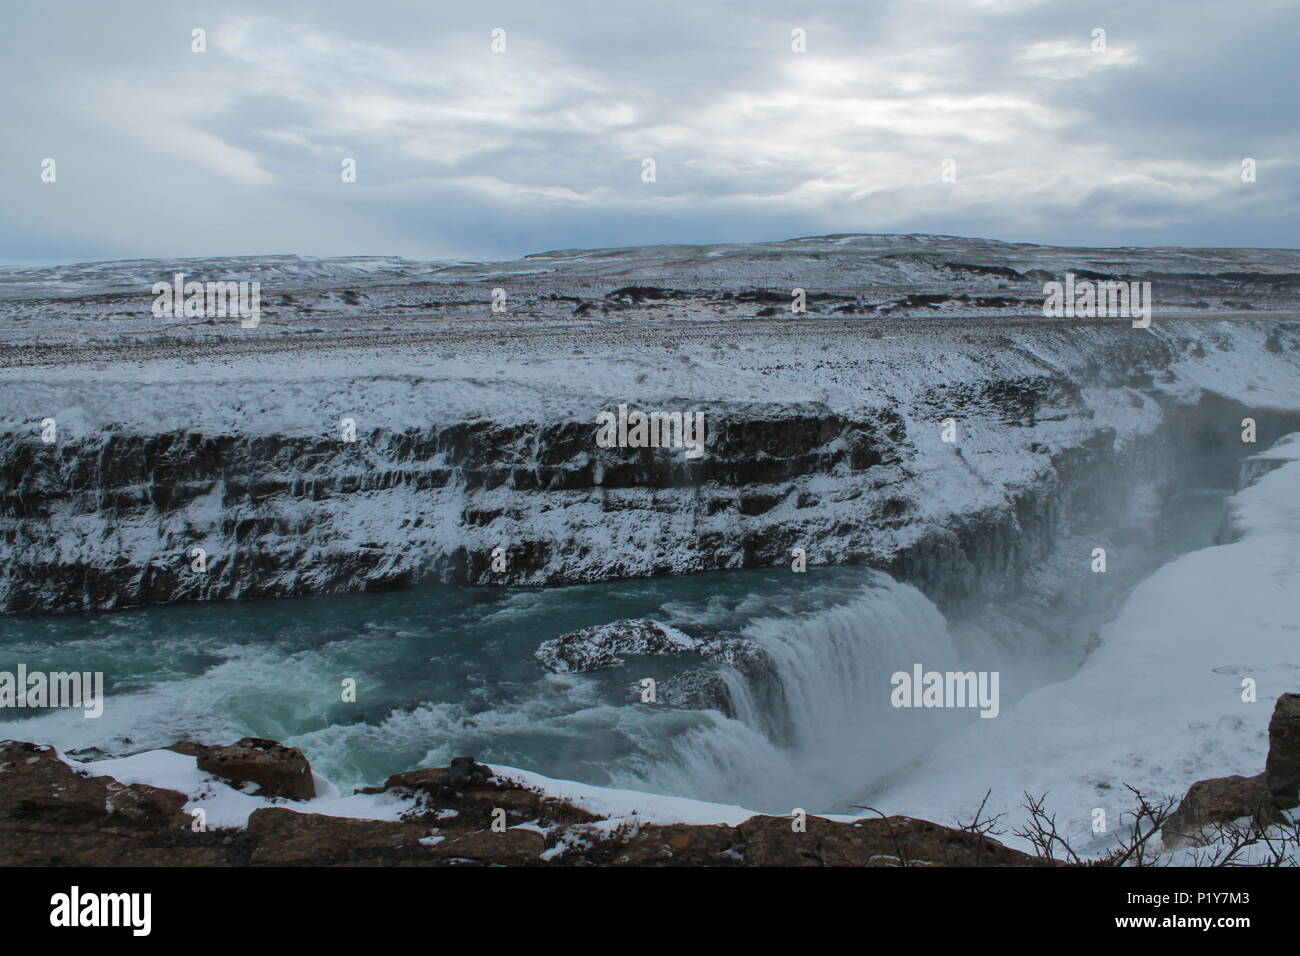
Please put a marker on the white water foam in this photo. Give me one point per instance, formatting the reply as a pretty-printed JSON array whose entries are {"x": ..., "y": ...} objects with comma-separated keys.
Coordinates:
[{"x": 833, "y": 667}]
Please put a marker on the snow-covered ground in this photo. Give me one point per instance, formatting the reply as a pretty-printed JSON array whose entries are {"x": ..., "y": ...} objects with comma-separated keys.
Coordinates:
[
  {"x": 225, "y": 806},
  {"x": 325, "y": 302},
  {"x": 1162, "y": 703}
]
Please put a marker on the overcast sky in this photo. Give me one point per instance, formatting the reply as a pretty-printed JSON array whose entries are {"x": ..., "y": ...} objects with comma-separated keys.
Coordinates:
[{"x": 466, "y": 153}]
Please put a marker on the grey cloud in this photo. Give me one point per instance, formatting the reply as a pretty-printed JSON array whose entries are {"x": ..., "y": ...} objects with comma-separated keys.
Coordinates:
[{"x": 462, "y": 153}]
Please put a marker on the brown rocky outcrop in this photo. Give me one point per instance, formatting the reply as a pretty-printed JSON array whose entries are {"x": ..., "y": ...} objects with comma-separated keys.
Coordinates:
[
  {"x": 774, "y": 841},
  {"x": 1219, "y": 800},
  {"x": 278, "y": 771},
  {"x": 52, "y": 813},
  {"x": 283, "y": 837},
  {"x": 36, "y": 785},
  {"x": 468, "y": 794}
]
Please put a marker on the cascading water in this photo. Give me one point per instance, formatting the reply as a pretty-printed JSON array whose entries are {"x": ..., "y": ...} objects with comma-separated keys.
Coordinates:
[
  {"x": 442, "y": 672},
  {"x": 833, "y": 727}
]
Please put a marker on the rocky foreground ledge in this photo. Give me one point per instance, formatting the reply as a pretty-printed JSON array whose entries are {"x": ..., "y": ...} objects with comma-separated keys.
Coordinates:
[{"x": 53, "y": 813}]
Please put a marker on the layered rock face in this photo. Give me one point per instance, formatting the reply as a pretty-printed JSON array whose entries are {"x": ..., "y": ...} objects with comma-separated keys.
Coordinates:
[
  {"x": 110, "y": 514},
  {"x": 447, "y": 444}
]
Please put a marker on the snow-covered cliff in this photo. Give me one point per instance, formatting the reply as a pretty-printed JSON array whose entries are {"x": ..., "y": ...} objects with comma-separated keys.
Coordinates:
[{"x": 476, "y": 432}]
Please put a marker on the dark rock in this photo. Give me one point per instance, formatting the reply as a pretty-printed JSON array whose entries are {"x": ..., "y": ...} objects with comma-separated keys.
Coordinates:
[
  {"x": 189, "y": 748},
  {"x": 143, "y": 805},
  {"x": 284, "y": 837},
  {"x": 1219, "y": 800},
  {"x": 773, "y": 841},
  {"x": 636, "y": 294},
  {"x": 454, "y": 797},
  {"x": 891, "y": 841},
  {"x": 595, "y": 648},
  {"x": 672, "y": 845},
  {"x": 760, "y": 502},
  {"x": 52, "y": 814},
  {"x": 695, "y": 689},
  {"x": 1282, "y": 770},
  {"x": 512, "y": 847},
  {"x": 279, "y": 771},
  {"x": 464, "y": 772}
]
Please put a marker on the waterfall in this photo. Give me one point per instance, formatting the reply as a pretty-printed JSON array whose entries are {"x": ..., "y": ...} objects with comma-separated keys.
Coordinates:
[{"x": 833, "y": 729}]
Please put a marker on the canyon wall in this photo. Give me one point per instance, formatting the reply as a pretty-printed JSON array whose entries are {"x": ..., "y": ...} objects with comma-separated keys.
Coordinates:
[{"x": 1053, "y": 426}]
